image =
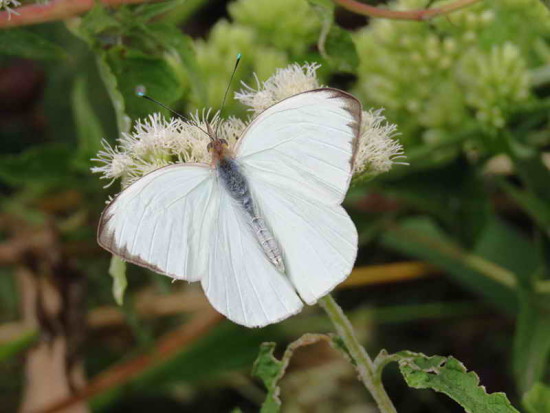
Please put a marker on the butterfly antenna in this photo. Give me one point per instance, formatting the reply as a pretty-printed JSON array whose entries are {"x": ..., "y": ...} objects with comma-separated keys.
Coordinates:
[
  {"x": 227, "y": 90},
  {"x": 140, "y": 91}
]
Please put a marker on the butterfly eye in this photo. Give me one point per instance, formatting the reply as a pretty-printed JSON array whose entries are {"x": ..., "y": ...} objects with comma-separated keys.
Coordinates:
[{"x": 209, "y": 146}]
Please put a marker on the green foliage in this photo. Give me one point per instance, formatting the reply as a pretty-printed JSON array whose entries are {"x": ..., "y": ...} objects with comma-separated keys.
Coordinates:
[
  {"x": 215, "y": 59},
  {"x": 133, "y": 68},
  {"x": 462, "y": 88},
  {"x": 47, "y": 165},
  {"x": 468, "y": 68},
  {"x": 532, "y": 339},
  {"x": 537, "y": 399},
  {"x": 17, "y": 346},
  {"x": 335, "y": 44},
  {"x": 88, "y": 127},
  {"x": 117, "y": 270},
  {"x": 279, "y": 24},
  {"x": 449, "y": 376},
  {"x": 26, "y": 44},
  {"x": 421, "y": 238},
  {"x": 270, "y": 370}
]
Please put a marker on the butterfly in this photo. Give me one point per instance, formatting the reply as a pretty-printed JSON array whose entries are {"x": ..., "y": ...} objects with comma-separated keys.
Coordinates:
[{"x": 261, "y": 227}]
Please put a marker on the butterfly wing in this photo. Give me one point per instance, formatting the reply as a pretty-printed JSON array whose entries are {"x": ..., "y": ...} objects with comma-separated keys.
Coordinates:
[
  {"x": 241, "y": 283},
  {"x": 163, "y": 221},
  {"x": 181, "y": 222},
  {"x": 297, "y": 156}
]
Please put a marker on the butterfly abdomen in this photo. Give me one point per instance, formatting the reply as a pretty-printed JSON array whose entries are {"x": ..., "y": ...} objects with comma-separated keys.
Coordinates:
[{"x": 237, "y": 186}]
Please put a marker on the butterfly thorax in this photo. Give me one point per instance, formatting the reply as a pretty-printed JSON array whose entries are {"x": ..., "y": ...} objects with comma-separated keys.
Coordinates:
[{"x": 236, "y": 185}]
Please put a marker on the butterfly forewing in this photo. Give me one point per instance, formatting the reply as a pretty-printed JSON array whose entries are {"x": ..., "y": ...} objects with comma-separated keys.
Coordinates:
[
  {"x": 164, "y": 221},
  {"x": 297, "y": 157}
]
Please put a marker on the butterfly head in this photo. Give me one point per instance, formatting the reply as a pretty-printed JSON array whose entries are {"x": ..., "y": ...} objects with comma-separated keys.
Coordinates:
[{"x": 219, "y": 148}]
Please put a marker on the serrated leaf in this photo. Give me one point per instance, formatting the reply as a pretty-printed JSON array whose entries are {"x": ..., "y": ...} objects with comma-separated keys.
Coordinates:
[
  {"x": 117, "y": 270},
  {"x": 449, "y": 376},
  {"x": 271, "y": 370},
  {"x": 537, "y": 399},
  {"x": 23, "y": 43},
  {"x": 88, "y": 126}
]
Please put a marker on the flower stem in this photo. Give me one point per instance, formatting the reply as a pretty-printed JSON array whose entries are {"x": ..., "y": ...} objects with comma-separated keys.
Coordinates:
[
  {"x": 55, "y": 10},
  {"x": 369, "y": 375},
  {"x": 418, "y": 15}
]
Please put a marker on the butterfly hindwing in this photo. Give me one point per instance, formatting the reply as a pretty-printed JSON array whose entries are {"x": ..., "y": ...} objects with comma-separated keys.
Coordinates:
[
  {"x": 297, "y": 157},
  {"x": 241, "y": 283}
]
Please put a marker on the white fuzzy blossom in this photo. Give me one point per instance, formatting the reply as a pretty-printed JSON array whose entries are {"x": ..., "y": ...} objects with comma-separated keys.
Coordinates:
[
  {"x": 283, "y": 84},
  {"x": 156, "y": 141},
  {"x": 9, "y": 6},
  {"x": 377, "y": 150},
  {"x": 116, "y": 164}
]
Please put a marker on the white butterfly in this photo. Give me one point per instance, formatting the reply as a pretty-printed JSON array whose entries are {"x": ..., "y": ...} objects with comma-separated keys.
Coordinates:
[{"x": 262, "y": 226}]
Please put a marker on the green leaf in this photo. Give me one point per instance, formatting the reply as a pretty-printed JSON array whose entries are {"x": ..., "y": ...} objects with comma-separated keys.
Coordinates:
[
  {"x": 98, "y": 26},
  {"x": 88, "y": 126},
  {"x": 117, "y": 270},
  {"x": 180, "y": 47},
  {"x": 133, "y": 68},
  {"x": 271, "y": 370},
  {"x": 39, "y": 166},
  {"x": 537, "y": 399},
  {"x": 335, "y": 44},
  {"x": 16, "y": 346},
  {"x": 111, "y": 84},
  {"x": 538, "y": 209},
  {"x": 23, "y": 43},
  {"x": 530, "y": 167},
  {"x": 422, "y": 238},
  {"x": 146, "y": 12},
  {"x": 449, "y": 376},
  {"x": 454, "y": 194},
  {"x": 532, "y": 339},
  {"x": 507, "y": 247}
]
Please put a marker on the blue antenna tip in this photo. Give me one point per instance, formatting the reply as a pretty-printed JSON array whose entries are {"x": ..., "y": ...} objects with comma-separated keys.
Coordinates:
[
  {"x": 238, "y": 56},
  {"x": 140, "y": 90}
]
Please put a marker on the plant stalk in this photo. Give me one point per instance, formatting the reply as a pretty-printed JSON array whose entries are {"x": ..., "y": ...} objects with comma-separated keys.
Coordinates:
[{"x": 369, "y": 375}]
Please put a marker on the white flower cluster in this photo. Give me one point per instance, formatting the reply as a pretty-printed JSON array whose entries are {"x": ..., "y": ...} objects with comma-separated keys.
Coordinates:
[
  {"x": 156, "y": 142},
  {"x": 378, "y": 150},
  {"x": 9, "y": 6},
  {"x": 284, "y": 83}
]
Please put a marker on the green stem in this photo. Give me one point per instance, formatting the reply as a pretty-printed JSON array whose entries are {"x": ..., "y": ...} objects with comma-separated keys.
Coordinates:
[
  {"x": 370, "y": 376},
  {"x": 110, "y": 82}
]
